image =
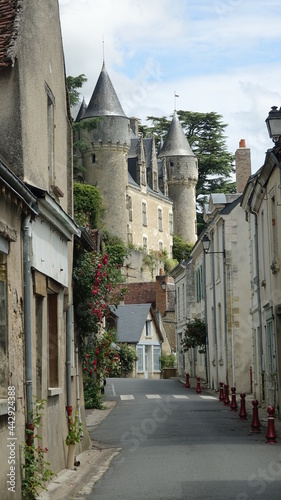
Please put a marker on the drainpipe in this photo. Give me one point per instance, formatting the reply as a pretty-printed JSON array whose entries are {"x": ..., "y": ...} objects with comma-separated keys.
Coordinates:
[
  {"x": 68, "y": 361},
  {"x": 26, "y": 228},
  {"x": 215, "y": 314},
  {"x": 225, "y": 305},
  {"x": 259, "y": 299},
  {"x": 77, "y": 388}
]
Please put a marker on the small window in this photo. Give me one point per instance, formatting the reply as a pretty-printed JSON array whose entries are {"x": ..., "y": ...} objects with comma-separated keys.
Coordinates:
[
  {"x": 171, "y": 223},
  {"x": 148, "y": 328},
  {"x": 93, "y": 158},
  {"x": 160, "y": 219},
  {"x": 144, "y": 244},
  {"x": 161, "y": 246},
  {"x": 144, "y": 214}
]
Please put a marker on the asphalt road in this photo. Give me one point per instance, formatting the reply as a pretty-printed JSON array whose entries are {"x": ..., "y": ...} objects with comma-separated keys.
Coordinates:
[{"x": 178, "y": 445}]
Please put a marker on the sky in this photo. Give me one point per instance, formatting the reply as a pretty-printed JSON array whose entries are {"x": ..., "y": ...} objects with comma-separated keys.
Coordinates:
[{"x": 216, "y": 55}]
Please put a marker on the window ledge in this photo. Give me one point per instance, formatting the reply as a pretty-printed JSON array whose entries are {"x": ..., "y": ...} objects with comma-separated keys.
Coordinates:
[
  {"x": 54, "y": 391},
  {"x": 3, "y": 406}
]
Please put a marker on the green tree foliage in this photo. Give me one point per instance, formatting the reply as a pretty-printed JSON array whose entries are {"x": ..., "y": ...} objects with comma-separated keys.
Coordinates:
[
  {"x": 194, "y": 336},
  {"x": 167, "y": 360},
  {"x": 74, "y": 83},
  {"x": 206, "y": 135},
  {"x": 87, "y": 205},
  {"x": 128, "y": 357},
  {"x": 181, "y": 249}
]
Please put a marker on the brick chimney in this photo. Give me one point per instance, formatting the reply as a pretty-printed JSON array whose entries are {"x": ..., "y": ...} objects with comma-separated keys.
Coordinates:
[{"x": 243, "y": 166}]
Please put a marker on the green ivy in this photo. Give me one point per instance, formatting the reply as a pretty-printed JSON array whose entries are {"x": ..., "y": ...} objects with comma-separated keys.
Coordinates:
[{"x": 88, "y": 206}]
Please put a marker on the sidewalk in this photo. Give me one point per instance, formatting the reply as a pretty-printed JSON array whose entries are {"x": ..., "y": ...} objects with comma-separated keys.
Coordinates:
[
  {"x": 262, "y": 411},
  {"x": 73, "y": 484}
]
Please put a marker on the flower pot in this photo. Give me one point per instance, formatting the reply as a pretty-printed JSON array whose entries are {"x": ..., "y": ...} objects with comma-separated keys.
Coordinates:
[{"x": 71, "y": 456}]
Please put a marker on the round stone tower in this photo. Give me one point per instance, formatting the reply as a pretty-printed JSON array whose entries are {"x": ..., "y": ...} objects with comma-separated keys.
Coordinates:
[
  {"x": 182, "y": 172},
  {"x": 105, "y": 160}
]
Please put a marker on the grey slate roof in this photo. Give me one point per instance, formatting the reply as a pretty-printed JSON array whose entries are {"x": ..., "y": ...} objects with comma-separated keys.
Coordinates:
[
  {"x": 81, "y": 111},
  {"x": 176, "y": 143},
  {"x": 131, "y": 319},
  {"x": 104, "y": 100}
]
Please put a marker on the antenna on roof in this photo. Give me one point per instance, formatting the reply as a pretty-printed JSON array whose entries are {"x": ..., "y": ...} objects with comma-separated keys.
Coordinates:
[
  {"x": 103, "y": 49},
  {"x": 175, "y": 96}
]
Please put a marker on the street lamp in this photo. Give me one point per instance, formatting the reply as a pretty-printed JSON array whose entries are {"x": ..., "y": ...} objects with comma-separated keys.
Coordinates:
[
  {"x": 206, "y": 245},
  {"x": 273, "y": 123}
]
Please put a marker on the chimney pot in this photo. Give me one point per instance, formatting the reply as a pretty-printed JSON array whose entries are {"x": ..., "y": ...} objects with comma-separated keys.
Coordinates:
[{"x": 242, "y": 143}]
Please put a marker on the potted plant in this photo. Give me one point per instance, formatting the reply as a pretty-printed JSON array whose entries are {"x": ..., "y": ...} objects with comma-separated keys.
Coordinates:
[{"x": 74, "y": 435}]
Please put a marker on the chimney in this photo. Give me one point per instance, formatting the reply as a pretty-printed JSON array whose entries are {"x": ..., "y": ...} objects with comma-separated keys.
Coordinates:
[
  {"x": 243, "y": 166},
  {"x": 134, "y": 125}
]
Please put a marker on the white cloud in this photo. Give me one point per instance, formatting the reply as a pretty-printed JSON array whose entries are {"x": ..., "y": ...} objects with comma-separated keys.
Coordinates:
[{"x": 217, "y": 55}]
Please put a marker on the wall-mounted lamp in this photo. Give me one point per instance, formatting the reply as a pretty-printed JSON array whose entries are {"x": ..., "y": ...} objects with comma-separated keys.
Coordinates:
[
  {"x": 206, "y": 245},
  {"x": 163, "y": 285}
]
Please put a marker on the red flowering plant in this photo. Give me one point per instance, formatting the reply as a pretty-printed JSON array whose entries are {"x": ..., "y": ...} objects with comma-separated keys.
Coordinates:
[
  {"x": 94, "y": 277},
  {"x": 99, "y": 363},
  {"x": 194, "y": 336}
]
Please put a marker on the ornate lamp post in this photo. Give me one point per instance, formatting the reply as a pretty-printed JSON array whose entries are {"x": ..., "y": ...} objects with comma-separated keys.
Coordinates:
[{"x": 273, "y": 123}]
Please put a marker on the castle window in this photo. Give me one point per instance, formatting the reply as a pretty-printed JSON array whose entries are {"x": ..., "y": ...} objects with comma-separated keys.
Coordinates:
[
  {"x": 144, "y": 214},
  {"x": 129, "y": 235},
  {"x": 171, "y": 223},
  {"x": 144, "y": 243},
  {"x": 93, "y": 158},
  {"x": 130, "y": 207},
  {"x": 161, "y": 246},
  {"x": 160, "y": 219},
  {"x": 171, "y": 163}
]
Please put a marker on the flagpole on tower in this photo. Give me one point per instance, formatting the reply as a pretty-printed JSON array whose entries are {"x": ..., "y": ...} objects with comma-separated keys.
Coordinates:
[{"x": 175, "y": 97}]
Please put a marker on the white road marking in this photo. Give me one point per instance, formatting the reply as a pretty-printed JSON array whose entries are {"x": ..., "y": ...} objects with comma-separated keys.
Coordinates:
[
  {"x": 126, "y": 397},
  {"x": 180, "y": 397},
  {"x": 207, "y": 397},
  {"x": 113, "y": 390},
  {"x": 153, "y": 396}
]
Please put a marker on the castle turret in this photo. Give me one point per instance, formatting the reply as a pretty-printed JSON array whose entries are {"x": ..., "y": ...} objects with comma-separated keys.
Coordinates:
[
  {"x": 105, "y": 160},
  {"x": 182, "y": 172}
]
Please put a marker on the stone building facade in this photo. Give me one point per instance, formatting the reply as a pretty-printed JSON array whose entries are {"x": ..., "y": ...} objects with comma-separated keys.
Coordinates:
[{"x": 36, "y": 235}]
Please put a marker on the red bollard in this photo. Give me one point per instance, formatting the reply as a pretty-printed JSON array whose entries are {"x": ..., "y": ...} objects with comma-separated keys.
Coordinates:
[
  {"x": 187, "y": 384},
  {"x": 226, "y": 396},
  {"x": 255, "y": 425},
  {"x": 221, "y": 396},
  {"x": 198, "y": 387},
  {"x": 242, "y": 412},
  {"x": 233, "y": 404},
  {"x": 271, "y": 434}
]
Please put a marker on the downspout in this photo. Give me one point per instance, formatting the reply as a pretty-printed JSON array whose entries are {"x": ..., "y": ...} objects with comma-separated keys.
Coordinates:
[
  {"x": 225, "y": 304},
  {"x": 259, "y": 299},
  {"x": 26, "y": 228},
  {"x": 68, "y": 361},
  {"x": 215, "y": 314},
  {"x": 77, "y": 389}
]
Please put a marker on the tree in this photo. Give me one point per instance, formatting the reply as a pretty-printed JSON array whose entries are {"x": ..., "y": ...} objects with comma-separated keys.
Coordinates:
[
  {"x": 73, "y": 83},
  {"x": 206, "y": 135}
]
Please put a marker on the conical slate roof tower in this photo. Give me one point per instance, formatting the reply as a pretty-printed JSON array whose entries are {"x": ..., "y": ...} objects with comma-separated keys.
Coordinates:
[
  {"x": 104, "y": 100},
  {"x": 105, "y": 159},
  {"x": 182, "y": 171}
]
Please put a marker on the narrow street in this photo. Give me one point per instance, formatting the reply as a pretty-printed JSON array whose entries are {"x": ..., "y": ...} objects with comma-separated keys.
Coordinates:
[{"x": 178, "y": 445}]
